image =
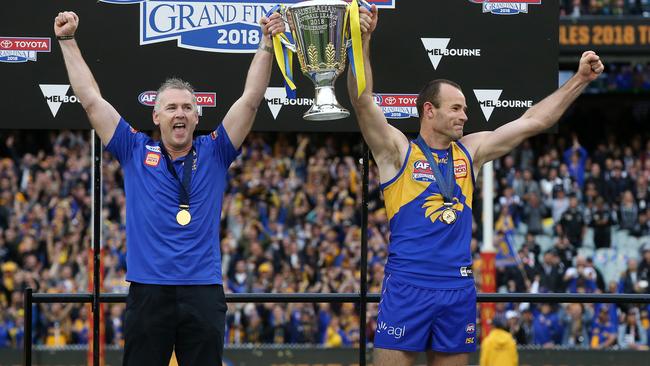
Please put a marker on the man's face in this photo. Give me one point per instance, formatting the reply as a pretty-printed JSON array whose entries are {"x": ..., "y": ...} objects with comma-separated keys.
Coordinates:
[
  {"x": 177, "y": 118},
  {"x": 450, "y": 118}
]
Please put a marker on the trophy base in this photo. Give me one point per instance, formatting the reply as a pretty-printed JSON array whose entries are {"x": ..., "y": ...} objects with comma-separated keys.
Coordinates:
[
  {"x": 325, "y": 106},
  {"x": 325, "y": 113}
]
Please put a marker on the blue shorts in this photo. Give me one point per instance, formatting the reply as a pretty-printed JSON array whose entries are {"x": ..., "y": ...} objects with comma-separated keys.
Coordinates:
[{"x": 418, "y": 319}]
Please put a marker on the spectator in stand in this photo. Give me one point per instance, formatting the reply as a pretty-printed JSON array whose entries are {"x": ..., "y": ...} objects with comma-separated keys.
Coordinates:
[
  {"x": 642, "y": 192},
  {"x": 565, "y": 251},
  {"x": 596, "y": 178},
  {"x": 619, "y": 182},
  {"x": 547, "y": 328},
  {"x": 631, "y": 334},
  {"x": 642, "y": 227},
  {"x": 581, "y": 278},
  {"x": 560, "y": 203},
  {"x": 600, "y": 279},
  {"x": 576, "y": 320},
  {"x": 602, "y": 221},
  {"x": 603, "y": 332},
  {"x": 534, "y": 212},
  {"x": 628, "y": 212},
  {"x": 629, "y": 282},
  {"x": 572, "y": 223},
  {"x": 576, "y": 158},
  {"x": 644, "y": 270},
  {"x": 551, "y": 271}
]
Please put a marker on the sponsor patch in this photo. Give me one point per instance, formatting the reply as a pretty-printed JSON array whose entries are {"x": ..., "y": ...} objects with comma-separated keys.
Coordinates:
[
  {"x": 469, "y": 340},
  {"x": 422, "y": 171},
  {"x": 153, "y": 148},
  {"x": 460, "y": 168},
  {"x": 397, "y": 106},
  {"x": 506, "y": 7},
  {"x": 22, "y": 49},
  {"x": 152, "y": 159},
  {"x": 395, "y": 332},
  {"x": 470, "y": 328},
  {"x": 214, "y": 135}
]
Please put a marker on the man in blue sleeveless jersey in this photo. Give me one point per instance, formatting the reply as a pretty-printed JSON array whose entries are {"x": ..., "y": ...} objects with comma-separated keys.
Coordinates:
[
  {"x": 428, "y": 299},
  {"x": 174, "y": 188}
]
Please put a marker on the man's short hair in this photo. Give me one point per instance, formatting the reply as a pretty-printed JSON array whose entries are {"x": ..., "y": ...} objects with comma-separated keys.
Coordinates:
[
  {"x": 174, "y": 83},
  {"x": 431, "y": 93}
]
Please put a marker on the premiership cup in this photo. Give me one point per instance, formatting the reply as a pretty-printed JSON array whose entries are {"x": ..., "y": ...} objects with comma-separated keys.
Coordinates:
[{"x": 320, "y": 33}]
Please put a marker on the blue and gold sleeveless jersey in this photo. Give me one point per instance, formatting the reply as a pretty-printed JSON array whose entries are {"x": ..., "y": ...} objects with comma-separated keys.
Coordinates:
[{"x": 423, "y": 250}]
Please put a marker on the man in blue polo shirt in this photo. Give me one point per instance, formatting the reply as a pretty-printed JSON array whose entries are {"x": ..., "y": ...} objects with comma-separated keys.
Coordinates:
[{"x": 174, "y": 189}]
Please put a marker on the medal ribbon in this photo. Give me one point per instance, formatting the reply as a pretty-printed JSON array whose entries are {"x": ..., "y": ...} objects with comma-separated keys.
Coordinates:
[
  {"x": 186, "y": 183},
  {"x": 357, "y": 48},
  {"x": 446, "y": 186},
  {"x": 283, "y": 55}
]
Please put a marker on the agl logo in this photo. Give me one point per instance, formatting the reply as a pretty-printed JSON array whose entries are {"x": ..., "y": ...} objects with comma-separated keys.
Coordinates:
[{"x": 395, "y": 332}]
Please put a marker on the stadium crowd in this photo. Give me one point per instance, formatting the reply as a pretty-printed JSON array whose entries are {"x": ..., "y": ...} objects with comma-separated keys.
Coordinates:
[
  {"x": 577, "y": 8},
  {"x": 578, "y": 221}
]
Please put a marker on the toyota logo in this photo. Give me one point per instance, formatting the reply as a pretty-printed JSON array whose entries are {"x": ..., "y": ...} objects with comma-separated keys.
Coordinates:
[
  {"x": 6, "y": 43},
  {"x": 391, "y": 100}
]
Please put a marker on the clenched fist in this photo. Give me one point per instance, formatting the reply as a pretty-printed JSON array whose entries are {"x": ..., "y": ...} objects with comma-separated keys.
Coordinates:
[
  {"x": 65, "y": 24},
  {"x": 272, "y": 25},
  {"x": 590, "y": 66}
]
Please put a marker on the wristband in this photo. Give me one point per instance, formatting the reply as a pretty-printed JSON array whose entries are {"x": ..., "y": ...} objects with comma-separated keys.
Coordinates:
[{"x": 64, "y": 38}]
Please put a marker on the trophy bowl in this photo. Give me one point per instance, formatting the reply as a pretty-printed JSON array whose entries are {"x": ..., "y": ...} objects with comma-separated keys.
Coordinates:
[{"x": 319, "y": 29}]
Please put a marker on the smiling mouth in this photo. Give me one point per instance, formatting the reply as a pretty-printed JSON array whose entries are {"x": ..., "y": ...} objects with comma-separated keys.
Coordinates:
[{"x": 178, "y": 126}]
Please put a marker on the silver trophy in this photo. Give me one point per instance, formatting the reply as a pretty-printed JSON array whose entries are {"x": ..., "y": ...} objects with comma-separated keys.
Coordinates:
[{"x": 320, "y": 33}]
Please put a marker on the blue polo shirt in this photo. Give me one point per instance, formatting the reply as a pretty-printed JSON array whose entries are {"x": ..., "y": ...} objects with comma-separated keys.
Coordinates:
[{"x": 159, "y": 250}]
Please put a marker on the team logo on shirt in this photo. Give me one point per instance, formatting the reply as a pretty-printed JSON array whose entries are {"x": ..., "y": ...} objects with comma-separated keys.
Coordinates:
[
  {"x": 152, "y": 159},
  {"x": 433, "y": 206},
  {"x": 422, "y": 171},
  {"x": 470, "y": 328},
  {"x": 460, "y": 168}
]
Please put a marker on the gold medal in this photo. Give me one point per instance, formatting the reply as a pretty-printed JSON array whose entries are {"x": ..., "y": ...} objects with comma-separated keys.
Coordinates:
[
  {"x": 183, "y": 217},
  {"x": 448, "y": 216}
]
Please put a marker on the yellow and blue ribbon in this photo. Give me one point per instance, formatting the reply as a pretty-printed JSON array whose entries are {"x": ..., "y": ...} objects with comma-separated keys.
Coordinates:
[
  {"x": 284, "y": 57},
  {"x": 356, "y": 51}
]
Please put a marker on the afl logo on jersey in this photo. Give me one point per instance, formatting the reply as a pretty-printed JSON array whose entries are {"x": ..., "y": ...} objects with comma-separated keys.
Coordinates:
[
  {"x": 152, "y": 159},
  {"x": 422, "y": 171},
  {"x": 460, "y": 168}
]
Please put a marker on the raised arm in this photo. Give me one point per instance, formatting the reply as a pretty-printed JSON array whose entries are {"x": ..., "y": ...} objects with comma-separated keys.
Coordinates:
[
  {"x": 240, "y": 117},
  {"x": 490, "y": 145},
  {"x": 103, "y": 117},
  {"x": 387, "y": 143}
]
